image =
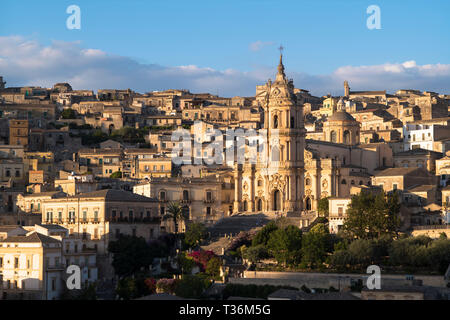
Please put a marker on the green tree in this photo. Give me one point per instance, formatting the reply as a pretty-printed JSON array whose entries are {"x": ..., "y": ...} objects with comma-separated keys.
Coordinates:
[
  {"x": 127, "y": 289},
  {"x": 263, "y": 235},
  {"x": 371, "y": 216},
  {"x": 195, "y": 233},
  {"x": 255, "y": 253},
  {"x": 213, "y": 267},
  {"x": 191, "y": 287},
  {"x": 314, "y": 245},
  {"x": 116, "y": 175},
  {"x": 439, "y": 255},
  {"x": 68, "y": 114},
  {"x": 322, "y": 207},
  {"x": 285, "y": 244},
  {"x": 130, "y": 254},
  {"x": 176, "y": 214}
]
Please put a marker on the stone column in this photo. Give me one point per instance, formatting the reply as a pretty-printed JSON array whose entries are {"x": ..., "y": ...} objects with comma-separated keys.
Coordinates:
[
  {"x": 252, "y": 189},
  {"x": 237, "y": 190}
]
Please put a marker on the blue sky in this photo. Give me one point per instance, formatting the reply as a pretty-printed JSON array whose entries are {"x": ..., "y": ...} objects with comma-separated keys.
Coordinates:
[{"x": 319, "y": 36}]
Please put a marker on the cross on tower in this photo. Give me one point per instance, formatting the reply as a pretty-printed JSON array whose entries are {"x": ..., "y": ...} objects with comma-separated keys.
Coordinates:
[{"x": 281, "y": 48}]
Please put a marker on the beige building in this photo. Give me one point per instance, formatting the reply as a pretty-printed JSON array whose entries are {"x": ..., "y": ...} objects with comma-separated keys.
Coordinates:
[
  {"x": 403, "y": 178},
  {"x": 417, "y": 158},
  {"x": 277, "y": 184},
  {"x": 204, "y": 200},
  {"x": 18, "y": 132},
  {"x": 100, "y": 216},
  {"x": 337, "y": 209},
  {"x": 443, "y": 170},
  {"x": 33, "y": 262},
  {"x": 31, "y": 267},
  {"x": 341, "y": 127}
]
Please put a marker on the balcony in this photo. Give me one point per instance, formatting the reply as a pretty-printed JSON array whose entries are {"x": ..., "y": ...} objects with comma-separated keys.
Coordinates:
[
  {"x": 209, "y": 200},
  {"x": 136, "y": 220},
  {"x": 185, "y": 201}
]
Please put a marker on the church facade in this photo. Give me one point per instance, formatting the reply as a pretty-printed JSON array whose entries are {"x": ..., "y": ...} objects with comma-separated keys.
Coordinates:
[
  {"x": 277, "y": 183},
  {"x": 299, "y": 172}
]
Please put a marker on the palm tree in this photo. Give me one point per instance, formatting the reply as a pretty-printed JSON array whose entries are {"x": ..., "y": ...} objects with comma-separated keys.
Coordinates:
[{"x": 175, "y": 213}]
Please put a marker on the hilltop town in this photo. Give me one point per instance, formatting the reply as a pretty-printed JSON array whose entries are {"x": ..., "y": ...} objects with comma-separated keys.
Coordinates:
[{"x": 181, "y": 178}]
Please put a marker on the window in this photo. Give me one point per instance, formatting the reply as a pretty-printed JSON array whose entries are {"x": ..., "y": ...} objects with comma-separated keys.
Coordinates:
[
  {"x": 275, "y": 122},
  {"x": 208, "y": 210},
  {"x": 394, "y": 186},
  {"x": 162, "y": 196},
  {"x": 308, "y": 181},
  {"x": 17, "y": 173},
  {"x": 208, "y": 196},
  {"x": 333, "y": 136},
  {"x": 84, "y": 216},
  {"x": 16, "y": 262},
  {"x": 343, "y": 181},
  {"x": 340, "y": 212}
]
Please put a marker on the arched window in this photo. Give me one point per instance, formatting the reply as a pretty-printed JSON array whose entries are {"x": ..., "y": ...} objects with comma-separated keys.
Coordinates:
[
  {"x": 245, "y": 206},
  {"x": 275, "y": 122},
  {"x": 333, "y": 136},
  {"x": 347, "y": 139},
  {"x": 162, "y": 195},
  {"x": 259, "y": 205},
  {"x": 360, "y": 183},
  {"x": 343, "y": 181},
  {"x": 353, "y": 182}
]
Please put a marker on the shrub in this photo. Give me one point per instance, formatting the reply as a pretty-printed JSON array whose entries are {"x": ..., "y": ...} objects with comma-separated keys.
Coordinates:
[
  {"x": 201, "y": 257},
  {"x": 213, "y": 267},
  {"x": 191, "y": 287},
  {"x": 166, "y": 285}
]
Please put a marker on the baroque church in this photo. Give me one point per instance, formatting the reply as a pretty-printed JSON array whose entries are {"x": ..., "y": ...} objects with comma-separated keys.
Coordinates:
[
  {"x": 275, "y": 184},
  {"x": 299, "y": 172}
]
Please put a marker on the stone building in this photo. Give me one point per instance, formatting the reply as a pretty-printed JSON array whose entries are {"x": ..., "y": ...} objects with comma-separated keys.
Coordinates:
[
  {"x": 276, "y": 184},
  {"x": 341, "y": 127},
  {"x": 100, "y": 216}
]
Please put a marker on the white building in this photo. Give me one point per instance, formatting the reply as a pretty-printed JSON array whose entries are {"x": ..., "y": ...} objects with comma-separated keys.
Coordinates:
[
  {"x": 337, "y": 208},
  {"x": 426, "y": 135}
]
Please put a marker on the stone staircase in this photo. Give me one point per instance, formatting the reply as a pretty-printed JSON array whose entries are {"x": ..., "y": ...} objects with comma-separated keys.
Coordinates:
[{"x": 240, "y": 222}]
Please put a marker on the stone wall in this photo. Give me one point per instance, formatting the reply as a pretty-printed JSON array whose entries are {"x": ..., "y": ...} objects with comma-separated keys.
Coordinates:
[{"x": 326, "y": 280}]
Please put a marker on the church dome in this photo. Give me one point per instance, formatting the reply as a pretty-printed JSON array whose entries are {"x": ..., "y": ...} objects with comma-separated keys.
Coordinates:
[{"x": 341, "y": 115}]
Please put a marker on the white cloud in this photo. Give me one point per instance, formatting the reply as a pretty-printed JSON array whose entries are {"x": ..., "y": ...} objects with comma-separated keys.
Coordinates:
[
  {"x": 258, "y": 45},
  {"x": 24, "y": 62}
]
